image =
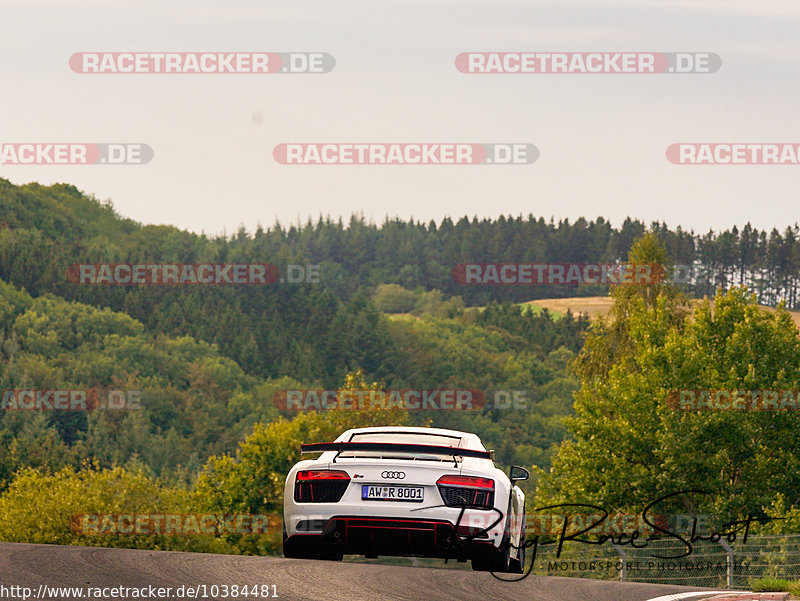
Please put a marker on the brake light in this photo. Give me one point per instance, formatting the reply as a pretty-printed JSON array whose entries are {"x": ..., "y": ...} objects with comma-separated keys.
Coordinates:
[
  {"x": 466, "y": 482},
  {"x": 322, "y": 475}
]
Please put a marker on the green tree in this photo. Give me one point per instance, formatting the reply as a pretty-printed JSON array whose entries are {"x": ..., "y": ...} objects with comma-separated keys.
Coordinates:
[
  {"x": 629, "y": 446},
  {"x": 392, "y": 298}
]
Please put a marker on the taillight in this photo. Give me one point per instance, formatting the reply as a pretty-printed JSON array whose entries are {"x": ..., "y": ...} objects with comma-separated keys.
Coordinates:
[
  {"x": 467, "y": 481},
  {"x": 320, "y": 486},
  {"x": 322, "y": 475},
  {"x": 466, "y": 491}
]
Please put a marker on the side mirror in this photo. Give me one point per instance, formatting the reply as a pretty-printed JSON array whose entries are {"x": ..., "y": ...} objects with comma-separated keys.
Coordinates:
[
  {"x": 491, "y": 454},
  {"x": 518, "y": 473}
]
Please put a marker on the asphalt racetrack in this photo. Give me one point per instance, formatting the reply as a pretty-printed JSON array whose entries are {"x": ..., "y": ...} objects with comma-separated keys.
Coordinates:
[{"x": 35, "y": 566}]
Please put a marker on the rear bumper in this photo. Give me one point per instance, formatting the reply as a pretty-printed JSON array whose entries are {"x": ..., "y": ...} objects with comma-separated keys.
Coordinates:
[{"x": 374, "y": 535}]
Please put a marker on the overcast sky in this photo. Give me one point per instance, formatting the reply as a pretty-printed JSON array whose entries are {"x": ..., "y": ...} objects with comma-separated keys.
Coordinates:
[{"x": 602, "y": 138}]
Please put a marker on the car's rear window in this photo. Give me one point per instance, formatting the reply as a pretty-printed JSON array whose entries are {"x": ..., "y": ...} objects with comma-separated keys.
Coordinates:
[
  {"x": 408, "y": 438},
  {"x": 402, "y": 437}
]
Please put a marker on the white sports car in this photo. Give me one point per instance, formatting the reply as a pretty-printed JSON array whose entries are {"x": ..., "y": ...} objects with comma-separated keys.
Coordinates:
[{"x": 405, "y": 491}]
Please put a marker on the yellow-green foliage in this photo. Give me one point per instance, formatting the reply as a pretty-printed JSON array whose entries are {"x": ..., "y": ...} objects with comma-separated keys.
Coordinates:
[
  {"x": 772, "y": 585},
  {"x": 38, "y": 507}
]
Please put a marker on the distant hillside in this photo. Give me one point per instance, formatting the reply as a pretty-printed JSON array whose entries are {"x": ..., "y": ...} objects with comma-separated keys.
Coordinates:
[{"x": 208, "y": 359}]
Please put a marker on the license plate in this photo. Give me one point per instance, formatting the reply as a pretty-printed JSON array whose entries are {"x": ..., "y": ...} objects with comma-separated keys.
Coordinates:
[{"x": 371, "y": 492}]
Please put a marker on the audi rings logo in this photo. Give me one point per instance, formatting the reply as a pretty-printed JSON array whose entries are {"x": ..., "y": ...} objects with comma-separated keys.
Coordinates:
[{"x": 393, "y": 475}]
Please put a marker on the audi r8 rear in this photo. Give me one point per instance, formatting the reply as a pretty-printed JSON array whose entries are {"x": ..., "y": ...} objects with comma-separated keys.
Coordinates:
[{"x": 404, "y": 491}]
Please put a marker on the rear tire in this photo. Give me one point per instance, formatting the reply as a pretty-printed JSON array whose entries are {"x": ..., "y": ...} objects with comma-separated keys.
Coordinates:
[
  {"x": 496, "y": 561},
  {"x": 517, "y": 564},
  {"x": 298, "y": 548},
  {"x": 500, "y": 560}
]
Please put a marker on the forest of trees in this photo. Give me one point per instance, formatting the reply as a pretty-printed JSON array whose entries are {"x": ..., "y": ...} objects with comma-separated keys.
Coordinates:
[
  {"x": 287, "y": 330},
  {"x": 387, "y": 314}
]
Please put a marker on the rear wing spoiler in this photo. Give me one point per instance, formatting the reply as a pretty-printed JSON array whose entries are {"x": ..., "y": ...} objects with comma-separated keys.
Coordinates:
[{"x": 427, "y": 449}]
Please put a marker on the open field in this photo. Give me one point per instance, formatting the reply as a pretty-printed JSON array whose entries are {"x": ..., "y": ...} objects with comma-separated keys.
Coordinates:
[{"x": 599, "y": 305}]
